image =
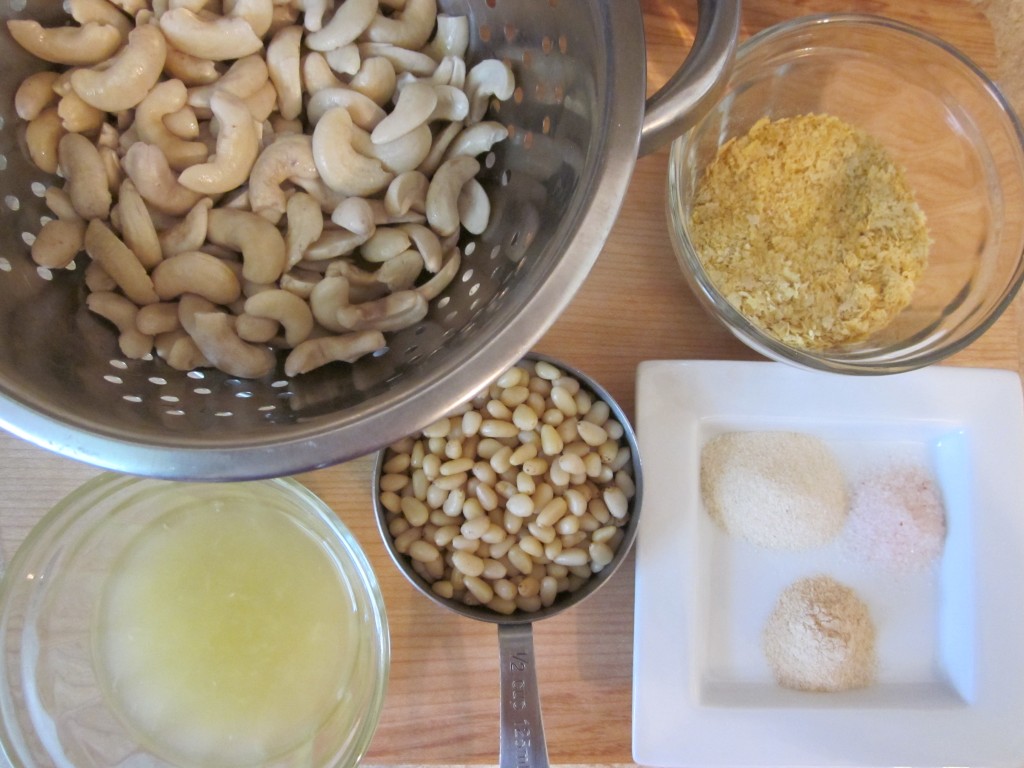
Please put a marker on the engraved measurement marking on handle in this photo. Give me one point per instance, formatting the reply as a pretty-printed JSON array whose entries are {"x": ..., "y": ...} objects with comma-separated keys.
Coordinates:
[{"x": 521, "y": 730}]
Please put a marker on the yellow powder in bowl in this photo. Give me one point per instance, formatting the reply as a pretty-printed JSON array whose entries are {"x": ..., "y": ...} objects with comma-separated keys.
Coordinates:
[{"x": 810, "y": 230}]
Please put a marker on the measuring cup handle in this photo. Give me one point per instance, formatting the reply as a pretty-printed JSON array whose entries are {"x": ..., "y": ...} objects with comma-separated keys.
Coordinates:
[
  {"x": 697, "y": 84},
  {"x": 522, "y": 729}
]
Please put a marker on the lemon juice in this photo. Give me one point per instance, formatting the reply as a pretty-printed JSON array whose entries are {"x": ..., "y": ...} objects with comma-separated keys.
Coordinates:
[{"x": 226, "y": 634}]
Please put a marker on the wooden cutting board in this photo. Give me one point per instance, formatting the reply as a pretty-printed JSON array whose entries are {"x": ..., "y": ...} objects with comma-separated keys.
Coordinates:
[{"x": 442, "y": 707}]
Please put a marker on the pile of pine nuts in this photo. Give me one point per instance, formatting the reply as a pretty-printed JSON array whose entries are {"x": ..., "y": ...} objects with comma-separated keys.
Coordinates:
[{"x": 517, "y": 496}]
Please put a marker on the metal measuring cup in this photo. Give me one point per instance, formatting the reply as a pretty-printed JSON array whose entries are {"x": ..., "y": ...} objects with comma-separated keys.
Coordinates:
[{"x": 522, "y": 742}]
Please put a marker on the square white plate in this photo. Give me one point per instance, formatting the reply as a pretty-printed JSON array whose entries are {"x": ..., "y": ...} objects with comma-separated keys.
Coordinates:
[{"x": 949, "y": 688}]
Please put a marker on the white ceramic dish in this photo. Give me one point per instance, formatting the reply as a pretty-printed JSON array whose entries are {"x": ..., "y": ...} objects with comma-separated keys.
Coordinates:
[{"x": 950, "y": 639}]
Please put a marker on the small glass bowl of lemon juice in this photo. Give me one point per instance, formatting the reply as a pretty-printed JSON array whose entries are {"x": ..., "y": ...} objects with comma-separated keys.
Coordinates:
[{"x": 157, "y": 623}]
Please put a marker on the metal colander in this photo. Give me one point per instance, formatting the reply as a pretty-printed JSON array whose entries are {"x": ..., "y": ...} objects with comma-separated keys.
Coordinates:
[{"x": 575, "y": 125}]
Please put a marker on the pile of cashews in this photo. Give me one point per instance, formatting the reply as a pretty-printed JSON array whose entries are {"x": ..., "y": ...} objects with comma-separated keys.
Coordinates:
[{"x": 259, "y": 175}]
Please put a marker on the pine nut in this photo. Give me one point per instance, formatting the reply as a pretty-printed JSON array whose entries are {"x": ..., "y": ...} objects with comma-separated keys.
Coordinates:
[
  {"x": 520, "y": 505},
  {"x": 600, "y": 554},
  {"x": 393, "y": 483},
  {"x": 521, "y": 561},
  {"x": 439, "y": 428},
  {"x": 570, "y": 557},
  {"x": 525, "y": 417},
  {"x": 468, "y": 564},
  {"x": 552, "y": 512},
  {"x": 617, "y": 502},
  {"x": 475, "y": 528},
  {"x": 480, "y": 589},
  {"x": 415, "y": 511},
  {"x": 498, "y": 428},
  {"x": 592, "y": 434},
  {"x": 443, "y": 589},
  {"x": 423, "y": 551}
]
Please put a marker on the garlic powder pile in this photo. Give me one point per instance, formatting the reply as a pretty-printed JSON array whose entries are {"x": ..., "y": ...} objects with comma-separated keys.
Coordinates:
[
  {"x": 810, "y": 230},
  {"x": 820, "y": 637}
]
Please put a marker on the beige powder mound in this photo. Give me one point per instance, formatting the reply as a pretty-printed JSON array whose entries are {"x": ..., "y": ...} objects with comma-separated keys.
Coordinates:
[
  {"x": 820, "y": 637},
  {"x": 780, "y": 490}
]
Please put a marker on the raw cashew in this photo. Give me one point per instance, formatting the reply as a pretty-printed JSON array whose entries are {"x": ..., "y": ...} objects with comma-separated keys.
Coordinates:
[
  {"x": 356, "y": 215},
  {"x": 350, "y": 20},
  {"x": 431, "y": 289},
  {"x": 451, "y": 37},
  {"x": 490, "y": 77},
  {"x": 414, "y": 107},
  {"x": 182, "y": 123},
  {"x": 167, "y": 98},
  {"x": 189, "y": 234},
  {"x": 86, "y": 175},
  {"x": 197, "y": 273},
  {"x": 283, "y": 63},
  {"x": 327, "y": 297},
  {"x": 121, "y": 312},
  {"x": 299, "y": 281},
  {"x": 261, "y": 330},
  {"x": 365, "y": 112},
  {"x": 474, "y": 207},
  {"x": 75, "y": 46},
  {"x": 427, "y": 243},
  {"x": 438, "y": 147},
  {"x": 191, "y": 70},
  {"x": 112, "y": 167},
  {"x": 312, "y": 13},
  {"x": 259, "y": 241},
  {"x": 219, "y": 39},
  {"x": 452, "y": 104},
  {"x": 78, "y": 116},
  {"x": 216, "y": 338},
  {"x": 289, "y": 310},
  {"x": 443, "y": 194},
  {"x": 35, "y": 94},
  {"x": 286, "y": 159},
  {"x": 386, "y": 243},
  {"x": 407, "y": 192},
  {"x": 42, "y": 138},
  {"x": 344, "y": 60},
  {"x": 179, "y": 351},
  {"x": 405, "y": 153},
  {"x": 477, "y": 139},
  {"x": 333, "y": 243},
  {"x": 349, "y": 347},
  {"x": 375, "y": 79},
  {"x": 59, "y": 202},
  {"x": 305, "y": 225},
  {"x": 262, "y": 104},
  {"x": 101, "y": 11},
  {"x": 400, "y": 272},
  {"x": 409, "y": 28},
  {"x": 402, "y": 60},
  {"x": 119, "y": 262},
  {"x": 237, "y": 147},
  {"x": 155, "y": 319},
  {"x": 390, "y": 313},
  {"x": 127, "y": 77},
  {"x": 137, "y": 226},
  {"x": 147, "y": 167},
  {"x": 317, "y": 73},
  {"x": 58, "y": 242},
  {"x": 341, "y": 167},
  {"x": 259, "y": 14},
  {"x": 243, "y": 78}
]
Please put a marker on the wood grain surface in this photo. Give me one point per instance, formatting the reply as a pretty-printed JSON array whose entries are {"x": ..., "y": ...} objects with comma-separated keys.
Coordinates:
[{"x": 442, "y": 701}]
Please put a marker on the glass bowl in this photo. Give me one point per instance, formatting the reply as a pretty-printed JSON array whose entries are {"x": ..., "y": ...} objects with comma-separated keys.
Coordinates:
[
  {"x": 941, "y": 120},
  {"x": 159, "y": 623}
]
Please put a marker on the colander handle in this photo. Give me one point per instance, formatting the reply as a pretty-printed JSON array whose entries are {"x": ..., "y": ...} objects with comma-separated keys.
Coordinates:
[{"x": 698, "y": 83}]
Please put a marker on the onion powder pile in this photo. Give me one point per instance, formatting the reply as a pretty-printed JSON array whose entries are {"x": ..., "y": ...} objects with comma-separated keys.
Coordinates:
[{"x": 780, "y": 490}]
